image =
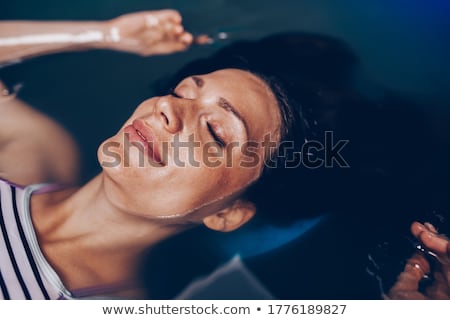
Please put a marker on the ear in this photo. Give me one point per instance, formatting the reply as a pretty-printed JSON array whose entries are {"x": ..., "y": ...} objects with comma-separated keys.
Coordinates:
[{"x": 231, "y": 218}]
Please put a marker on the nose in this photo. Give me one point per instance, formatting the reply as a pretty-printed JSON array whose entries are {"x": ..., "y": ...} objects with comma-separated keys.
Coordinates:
[{"x": 170, "y": 114}]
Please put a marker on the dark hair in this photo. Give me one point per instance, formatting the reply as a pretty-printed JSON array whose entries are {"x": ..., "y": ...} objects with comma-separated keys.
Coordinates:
[{"x": 311, "y": 77}]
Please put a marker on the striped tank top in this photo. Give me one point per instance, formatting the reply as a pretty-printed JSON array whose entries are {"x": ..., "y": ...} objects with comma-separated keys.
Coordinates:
[{"x": 24, "y": 271}]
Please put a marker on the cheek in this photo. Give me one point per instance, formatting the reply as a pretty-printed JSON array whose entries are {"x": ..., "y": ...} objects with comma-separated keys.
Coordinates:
[
  {"x": 109, "y": 153},
  {"x": 193, "y": 187},
  {"x": 231, "y": 168}
]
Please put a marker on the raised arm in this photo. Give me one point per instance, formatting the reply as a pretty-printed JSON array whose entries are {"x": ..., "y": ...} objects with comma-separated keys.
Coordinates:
[
  {"x": 33, "y": 148},
  {"x": 143, "y": 33}
]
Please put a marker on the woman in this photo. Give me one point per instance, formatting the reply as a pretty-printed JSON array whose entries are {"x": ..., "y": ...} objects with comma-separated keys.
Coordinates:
[{"x": 202, "y": 154}]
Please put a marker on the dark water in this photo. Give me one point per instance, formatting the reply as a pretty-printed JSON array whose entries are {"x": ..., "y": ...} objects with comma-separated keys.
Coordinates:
[{"x": 402, "y": 45}]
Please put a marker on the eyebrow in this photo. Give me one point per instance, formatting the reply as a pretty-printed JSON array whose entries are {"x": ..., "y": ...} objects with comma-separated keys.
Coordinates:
[
  {"x": 198, "y": 81},
  {"x": 224, "y": 104}
]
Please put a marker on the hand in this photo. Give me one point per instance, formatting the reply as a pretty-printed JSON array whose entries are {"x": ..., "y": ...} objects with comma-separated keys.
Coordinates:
[
  {"x": 418, "y": 267},
  {"x": 147, "y": 33}
]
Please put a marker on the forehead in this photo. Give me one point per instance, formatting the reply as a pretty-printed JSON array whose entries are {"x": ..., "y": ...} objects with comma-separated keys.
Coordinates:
[
  {"x": 250, "y": 95},
  {"x": 238, "y": 81}
]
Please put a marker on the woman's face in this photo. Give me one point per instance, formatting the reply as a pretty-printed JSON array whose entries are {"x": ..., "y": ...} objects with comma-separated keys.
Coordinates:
[{"x": 199, "y": 146}]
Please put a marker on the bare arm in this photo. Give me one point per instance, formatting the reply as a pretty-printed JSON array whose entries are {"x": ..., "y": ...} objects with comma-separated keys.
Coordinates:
[
  {"x": 33, "y": 148},
  {"x": 144, "y": 33},
  {"x": 24, "y": 39}
]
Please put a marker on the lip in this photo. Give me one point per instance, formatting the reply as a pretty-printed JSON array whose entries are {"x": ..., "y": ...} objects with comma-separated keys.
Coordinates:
[{"x": 139, "y": 132}]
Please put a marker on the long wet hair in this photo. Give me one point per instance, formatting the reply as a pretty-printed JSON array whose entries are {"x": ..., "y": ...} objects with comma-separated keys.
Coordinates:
[{"x": 312, "y": 78}]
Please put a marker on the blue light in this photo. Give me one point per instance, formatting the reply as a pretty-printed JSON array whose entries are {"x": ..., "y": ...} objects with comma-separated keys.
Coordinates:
[{"x": 257, "y": 240}]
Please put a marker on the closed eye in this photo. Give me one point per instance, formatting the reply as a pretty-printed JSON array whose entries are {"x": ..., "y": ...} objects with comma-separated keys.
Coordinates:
[{"x": 215, "y": 136}]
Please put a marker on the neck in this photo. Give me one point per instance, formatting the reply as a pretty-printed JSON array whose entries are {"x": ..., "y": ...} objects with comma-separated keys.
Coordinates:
[{"x": 83, "y": 234}]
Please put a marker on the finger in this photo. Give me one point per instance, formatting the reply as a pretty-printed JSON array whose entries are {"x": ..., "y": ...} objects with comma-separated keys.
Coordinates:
[
  {"x": 435, "y": 243},
  {"x": 168, "y": 14},
  {"x": 165, "y": 48},
  {"x": 417, "y": 228},
  {"x": 179, "y": 46},
  {"x": 165, "y": 36},
  {"x": 407, "y": 285},
  {"x": 430, "y": 227},
  {"x": 186, "y": 38},
  {"x": 178, "y": 29},
  {"x": 162, "y": 18},
  {"x": 420, "y": 264},
  {"x": 415, "y": 270},
  {"x": 172, "y": 29},
  {"x": 440, "y": 287},
  {"x": 408, "y": 280},
  {"x": 171, "y": 14},
  {"x": 203, "y": 39}
]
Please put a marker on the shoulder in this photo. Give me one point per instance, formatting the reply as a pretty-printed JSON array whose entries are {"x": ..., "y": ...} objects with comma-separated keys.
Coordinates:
[{"x": 34, "y": 148}]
